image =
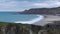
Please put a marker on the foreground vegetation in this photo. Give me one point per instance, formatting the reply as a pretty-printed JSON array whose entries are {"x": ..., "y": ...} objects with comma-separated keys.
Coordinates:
[{"x": 17, "y": 28}]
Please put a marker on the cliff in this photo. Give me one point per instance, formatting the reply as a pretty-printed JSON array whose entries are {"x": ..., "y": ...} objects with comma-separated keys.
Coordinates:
[
  {"x": 53, "y": 28},
  {"x": 17, "y": 28},
  {"x": 55, "y": 10}
]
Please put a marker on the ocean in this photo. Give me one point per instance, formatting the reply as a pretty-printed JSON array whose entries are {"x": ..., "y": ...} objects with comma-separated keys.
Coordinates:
[{"x": 15, "y": 17}]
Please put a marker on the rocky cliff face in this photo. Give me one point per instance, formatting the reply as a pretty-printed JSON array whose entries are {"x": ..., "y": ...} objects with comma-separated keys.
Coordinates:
[
  {"x": 17, "y": 28},
  {"x": 53, "y": 28},
  {"x": 13, "y": 28}
]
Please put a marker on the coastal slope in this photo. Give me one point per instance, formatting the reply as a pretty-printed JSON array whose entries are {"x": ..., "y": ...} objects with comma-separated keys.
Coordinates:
[{"x": 55, "y": 10}]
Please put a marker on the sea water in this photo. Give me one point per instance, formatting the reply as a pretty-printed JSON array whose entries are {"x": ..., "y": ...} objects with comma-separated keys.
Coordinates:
[{"x": 16, "y": 17}]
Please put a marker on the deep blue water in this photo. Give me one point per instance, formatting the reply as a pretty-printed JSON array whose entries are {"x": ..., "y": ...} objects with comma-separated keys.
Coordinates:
[{"x": 14, "y": 16}]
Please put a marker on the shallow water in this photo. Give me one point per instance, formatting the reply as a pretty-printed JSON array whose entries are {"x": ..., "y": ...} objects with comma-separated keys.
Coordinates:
[{"x": 14, "y": 17}]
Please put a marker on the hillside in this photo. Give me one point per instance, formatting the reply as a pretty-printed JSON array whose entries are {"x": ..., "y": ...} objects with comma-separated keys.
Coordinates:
[
  {"x": 53, "y": 28},
  {"x": 17, "y": 28},
  {"x": 55, "y": 10},
  {"x": 13, "y": 28}
]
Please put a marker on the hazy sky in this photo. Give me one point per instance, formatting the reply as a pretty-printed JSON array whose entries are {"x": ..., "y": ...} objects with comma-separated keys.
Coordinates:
[{"x": 19, "y": 5}]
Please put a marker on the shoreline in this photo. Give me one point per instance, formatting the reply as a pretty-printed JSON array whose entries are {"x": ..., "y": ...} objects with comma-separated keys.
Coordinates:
[
  {"x": 40, "y": 17},
  {"x": 48, "y": 19}
]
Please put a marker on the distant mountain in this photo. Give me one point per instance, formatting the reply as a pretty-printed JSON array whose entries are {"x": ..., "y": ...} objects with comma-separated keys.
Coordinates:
[{"x": 55, "y": 10}]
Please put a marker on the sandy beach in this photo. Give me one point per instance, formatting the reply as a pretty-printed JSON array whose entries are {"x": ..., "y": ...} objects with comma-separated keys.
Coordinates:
[{"x": 48, "y": 19}]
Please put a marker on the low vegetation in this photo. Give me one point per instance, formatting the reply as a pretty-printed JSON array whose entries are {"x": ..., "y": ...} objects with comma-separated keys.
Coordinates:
[{"x": 17, "y": 28}]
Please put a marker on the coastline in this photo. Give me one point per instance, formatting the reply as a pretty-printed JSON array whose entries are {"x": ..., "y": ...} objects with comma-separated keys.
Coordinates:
[
  {"x": 40, "y": 17},
  {"x": 47, "y": 19}
]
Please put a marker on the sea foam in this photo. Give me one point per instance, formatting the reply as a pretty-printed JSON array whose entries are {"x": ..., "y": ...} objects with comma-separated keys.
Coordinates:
[{"x": 31, "y": 21}]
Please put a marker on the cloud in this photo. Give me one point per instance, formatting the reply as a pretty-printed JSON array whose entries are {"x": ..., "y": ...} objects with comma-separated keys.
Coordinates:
[
  {"x": 48, "y": 4},
  {"x": 14, "y": 5},
  {"x": 19, "y": 5},
  {"x": 41, "y": 4}
]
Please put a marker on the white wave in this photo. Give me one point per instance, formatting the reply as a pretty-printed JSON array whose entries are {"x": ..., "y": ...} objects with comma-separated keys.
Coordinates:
[{"x": 31, "y": 21}]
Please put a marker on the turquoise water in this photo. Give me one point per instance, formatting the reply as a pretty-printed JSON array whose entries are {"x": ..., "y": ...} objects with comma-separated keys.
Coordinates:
[{"x": 14, "y": 16}]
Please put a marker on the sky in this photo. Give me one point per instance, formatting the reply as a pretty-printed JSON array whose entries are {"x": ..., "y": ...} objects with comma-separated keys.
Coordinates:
[{"x": 21, "y": 5}]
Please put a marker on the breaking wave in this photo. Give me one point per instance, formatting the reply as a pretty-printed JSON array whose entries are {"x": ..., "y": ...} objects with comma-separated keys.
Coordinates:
[{"x": 31, "y": 21}]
